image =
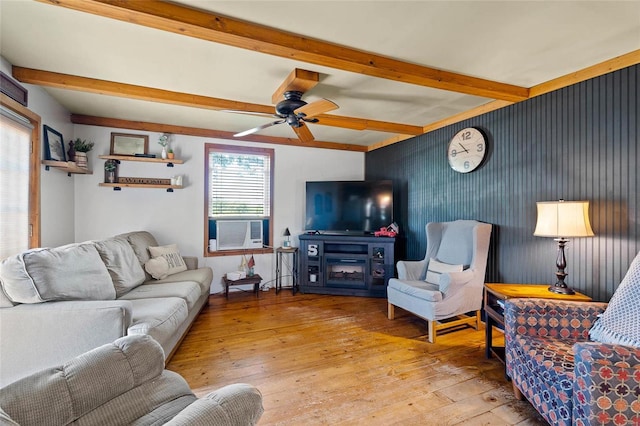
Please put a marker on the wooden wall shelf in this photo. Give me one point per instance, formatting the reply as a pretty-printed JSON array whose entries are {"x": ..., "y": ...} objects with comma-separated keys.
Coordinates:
[
  {"x": 168, "y": 162},
  {"x": 119, "y": 186},
  {"x": 66, "y": 166}
]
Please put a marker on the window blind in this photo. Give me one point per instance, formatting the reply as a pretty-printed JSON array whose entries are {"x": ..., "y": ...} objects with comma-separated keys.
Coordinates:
[
  {"x": 239, "y": 185},
  {"x": 15, "y": 151}
]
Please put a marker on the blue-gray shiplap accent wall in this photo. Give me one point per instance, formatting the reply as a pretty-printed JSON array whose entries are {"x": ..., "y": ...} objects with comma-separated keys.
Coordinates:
[{"x": 577, "y": 143}]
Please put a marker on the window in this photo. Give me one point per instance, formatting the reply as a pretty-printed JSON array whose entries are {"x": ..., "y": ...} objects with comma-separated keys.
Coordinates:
[
  {"x": 19, "y": 178},
  {"x": 239, "y": 184}
]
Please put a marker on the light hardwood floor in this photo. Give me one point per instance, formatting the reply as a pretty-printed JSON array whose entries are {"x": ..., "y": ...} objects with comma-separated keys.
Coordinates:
[{"x": 336, "y": 360}]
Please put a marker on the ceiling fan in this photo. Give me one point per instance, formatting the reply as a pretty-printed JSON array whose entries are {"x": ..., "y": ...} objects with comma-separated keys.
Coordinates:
[{"x": 292, "y": 110}]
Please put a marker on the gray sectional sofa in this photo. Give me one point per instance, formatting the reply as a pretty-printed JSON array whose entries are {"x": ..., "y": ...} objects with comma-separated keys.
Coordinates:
[{"x": 57, "y": 303}]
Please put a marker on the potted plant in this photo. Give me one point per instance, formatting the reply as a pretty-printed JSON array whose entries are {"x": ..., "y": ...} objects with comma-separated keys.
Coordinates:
[
  {"x": 111, "y": 171},
  {"x": 81, "y": 148},
  {"x": 170, "y": 154}
]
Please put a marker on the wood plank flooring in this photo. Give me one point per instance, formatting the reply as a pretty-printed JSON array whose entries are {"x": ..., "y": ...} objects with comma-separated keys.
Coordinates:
[{"x": 338, "y": 360}]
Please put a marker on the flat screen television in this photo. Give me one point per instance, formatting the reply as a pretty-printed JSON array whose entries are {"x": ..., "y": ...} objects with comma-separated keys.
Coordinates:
[{"x": 345, "y": 207}]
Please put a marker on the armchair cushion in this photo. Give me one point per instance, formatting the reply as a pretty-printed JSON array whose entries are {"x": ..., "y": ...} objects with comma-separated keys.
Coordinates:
[
  {"x": 620, "y": 322},
  {"x": 418, "y": 289}
]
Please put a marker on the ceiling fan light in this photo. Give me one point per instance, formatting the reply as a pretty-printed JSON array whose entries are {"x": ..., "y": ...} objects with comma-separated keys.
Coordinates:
[{"x": 293, "y": 121}]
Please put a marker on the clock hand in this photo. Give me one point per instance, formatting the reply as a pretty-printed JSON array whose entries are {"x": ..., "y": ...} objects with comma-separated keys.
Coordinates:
[{"x": 465, "y": 149}]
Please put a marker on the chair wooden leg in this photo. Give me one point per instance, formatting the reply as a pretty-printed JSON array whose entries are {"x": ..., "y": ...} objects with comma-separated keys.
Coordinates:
[
  {"x": 432, "y": 331},
  {"x": 478, "y": 319},
  {"x": 519, "y": 396},
  {"x": 390, "y": 311}
]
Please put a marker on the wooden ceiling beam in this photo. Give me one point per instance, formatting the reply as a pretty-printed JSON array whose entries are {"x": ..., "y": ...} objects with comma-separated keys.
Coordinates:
[
  {"x": 217, "y": 28},
  {"x": 104, "y": 87},
  {"x": 207, "y": 133}
]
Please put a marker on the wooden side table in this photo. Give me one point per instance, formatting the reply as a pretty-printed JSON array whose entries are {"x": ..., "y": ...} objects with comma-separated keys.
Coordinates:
[
  {"x": 496, "y": 294},
  {"x": 293, "y": 267},
  {"x": 254, "y": 279}
]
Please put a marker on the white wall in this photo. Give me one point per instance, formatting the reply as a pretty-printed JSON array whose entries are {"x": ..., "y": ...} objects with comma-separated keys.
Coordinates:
[
  {"x": 178, "y": 217},
  {"x": 57, "y": 189}
]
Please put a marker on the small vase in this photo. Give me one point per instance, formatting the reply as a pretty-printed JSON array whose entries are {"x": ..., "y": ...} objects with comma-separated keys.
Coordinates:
[{"x": 164, "y": 153}]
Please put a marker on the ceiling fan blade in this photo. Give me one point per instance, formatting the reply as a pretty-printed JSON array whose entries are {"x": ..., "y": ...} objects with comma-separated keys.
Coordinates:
[
  {"x": 256, "y": 113},
  {"x": 257, "y": 129},
  {"x": 316, "y": 108},
  {"x": 303, "y": 132},
  {"x": 298, "y": 80}
]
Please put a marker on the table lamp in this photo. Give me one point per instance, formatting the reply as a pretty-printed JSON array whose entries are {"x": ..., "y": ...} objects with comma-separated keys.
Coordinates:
[
  {"x": 561, "y": 219},
  {"x": 287, "y": 242}
]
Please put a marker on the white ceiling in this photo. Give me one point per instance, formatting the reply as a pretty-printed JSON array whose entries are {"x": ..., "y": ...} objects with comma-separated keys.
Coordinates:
[{"x": 524, "y": 43}]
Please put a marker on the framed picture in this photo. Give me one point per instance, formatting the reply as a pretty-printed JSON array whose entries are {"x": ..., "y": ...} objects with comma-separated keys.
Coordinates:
[
  {"x": 53, "y": 145},
  {"x": 123, "y": 144}
]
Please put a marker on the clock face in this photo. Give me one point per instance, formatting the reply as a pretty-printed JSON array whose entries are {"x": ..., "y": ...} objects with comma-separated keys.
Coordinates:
[{"x": 467, "y": 150}]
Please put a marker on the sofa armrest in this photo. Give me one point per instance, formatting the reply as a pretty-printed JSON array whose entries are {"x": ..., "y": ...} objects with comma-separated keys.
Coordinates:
[
  {"x": 607, "y": 383},
  {"x": 411, "y": 270},
  {"x": 233, "y": 405},
  {"x": 62, "y": 331},
  {"x": 548, "y": 317},
  {"x": 191, "y": 262}
]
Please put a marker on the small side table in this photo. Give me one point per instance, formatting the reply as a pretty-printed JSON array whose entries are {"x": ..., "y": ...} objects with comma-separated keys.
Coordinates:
[
  {"x": 293, "y": 251},
  {"x": 494, "y": 296},
  {"x": 255, "y": 280}
]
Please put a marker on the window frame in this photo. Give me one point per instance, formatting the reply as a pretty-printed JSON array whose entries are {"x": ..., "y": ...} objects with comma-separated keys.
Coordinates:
[
  {"x": 235, "y": 149},
  {"x": 34, "y": 167}
]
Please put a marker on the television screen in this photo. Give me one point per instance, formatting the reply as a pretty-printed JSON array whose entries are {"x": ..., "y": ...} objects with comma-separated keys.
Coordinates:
[{"x": 349, "y": 206}]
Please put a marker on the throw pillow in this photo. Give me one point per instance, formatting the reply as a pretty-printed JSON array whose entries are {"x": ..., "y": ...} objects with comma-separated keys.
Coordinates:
[
  {"x": 436, "y": 268},
  {"x": 172, "y": 256},
  {"x": 158, "y": 268},
  {"x": 620, "y": 323}
]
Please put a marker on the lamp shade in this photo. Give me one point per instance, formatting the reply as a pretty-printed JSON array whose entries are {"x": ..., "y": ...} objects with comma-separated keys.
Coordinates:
[
  {"x": 287, "y": 233},
  {"x": 563, "y": 219}
]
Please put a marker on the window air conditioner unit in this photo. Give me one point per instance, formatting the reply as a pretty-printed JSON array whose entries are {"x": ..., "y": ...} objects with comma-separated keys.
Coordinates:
[{"x": 238, "y": 234}]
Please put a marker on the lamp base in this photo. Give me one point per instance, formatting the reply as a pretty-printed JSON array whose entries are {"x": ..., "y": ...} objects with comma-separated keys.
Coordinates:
[{"x": 561, "y": 290}]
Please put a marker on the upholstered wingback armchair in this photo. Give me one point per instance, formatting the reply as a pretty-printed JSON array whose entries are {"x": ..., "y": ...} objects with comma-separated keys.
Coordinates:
[
  {"x": 448, "y": 282},
  {"x": 578, "y": 363}
]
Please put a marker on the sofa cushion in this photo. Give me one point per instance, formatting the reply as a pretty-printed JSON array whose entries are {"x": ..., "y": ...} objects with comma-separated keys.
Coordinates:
[
  {"x": 160, "y": 317},
  {"x": 620, "y": 322},
  {"x": 140, "y": 242},
  {"x": 172, "y": 255},
  {"x": 203, "y": 276},
  {"x": 122, "y": 264},
  {"x": 5, "y": 302},
  {"x": 70, "y": 272},
  {"x": 186, "y": 290}
]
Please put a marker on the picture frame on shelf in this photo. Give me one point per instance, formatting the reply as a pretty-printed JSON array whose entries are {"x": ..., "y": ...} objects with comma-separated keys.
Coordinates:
[
  {"x": 126, "y": 144},
  {"x": 53, "y": 144}
]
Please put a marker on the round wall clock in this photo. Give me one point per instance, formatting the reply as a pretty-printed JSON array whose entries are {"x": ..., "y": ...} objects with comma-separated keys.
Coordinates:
[{"x": 467, "y": 150}]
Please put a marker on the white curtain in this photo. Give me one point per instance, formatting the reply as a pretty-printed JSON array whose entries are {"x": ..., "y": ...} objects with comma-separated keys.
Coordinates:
[{"x": 15, "y": 151}]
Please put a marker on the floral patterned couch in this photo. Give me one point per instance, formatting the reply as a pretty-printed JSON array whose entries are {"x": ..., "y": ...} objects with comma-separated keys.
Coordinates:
[{"x": 567, "y": 378}]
